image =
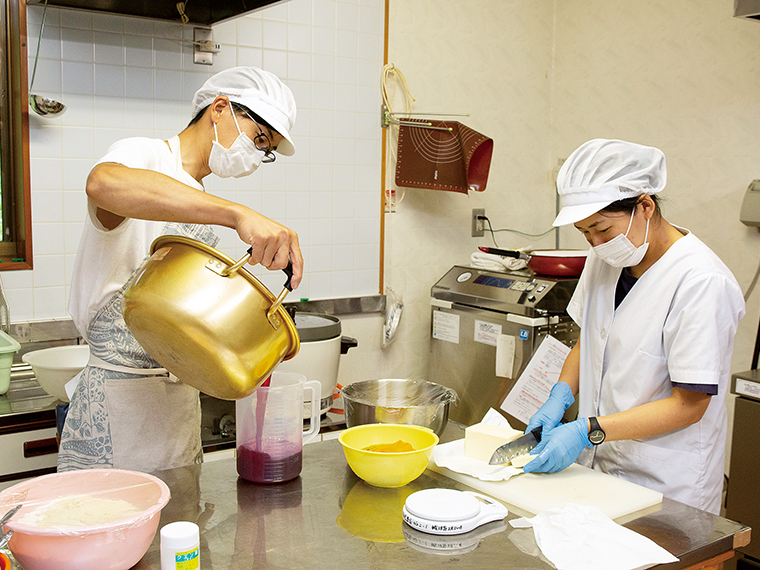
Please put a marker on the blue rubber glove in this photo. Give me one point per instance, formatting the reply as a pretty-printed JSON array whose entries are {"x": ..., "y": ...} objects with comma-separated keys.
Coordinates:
[
  {"x": 559, "y": 448},
  {"x": 550, "y": 414}
]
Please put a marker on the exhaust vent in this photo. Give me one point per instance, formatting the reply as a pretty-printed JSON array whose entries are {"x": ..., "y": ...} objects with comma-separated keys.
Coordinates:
[
  {"x": 749, "y": 9},
  {"x": 198, "y": 12}
]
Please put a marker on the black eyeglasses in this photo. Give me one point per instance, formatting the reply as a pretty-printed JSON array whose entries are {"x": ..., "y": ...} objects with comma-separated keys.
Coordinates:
[{"x": 262, "y": 142}]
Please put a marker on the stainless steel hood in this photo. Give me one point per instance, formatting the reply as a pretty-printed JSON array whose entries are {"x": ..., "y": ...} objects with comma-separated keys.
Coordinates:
[
  {"x": 199, "y": 12},
  {"x": 747, "y": 9}
]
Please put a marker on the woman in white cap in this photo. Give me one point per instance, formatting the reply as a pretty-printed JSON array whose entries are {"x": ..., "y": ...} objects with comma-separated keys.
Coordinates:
[
  {"x": 658, "y": 312},
  {"x": 125, "y": 411}
]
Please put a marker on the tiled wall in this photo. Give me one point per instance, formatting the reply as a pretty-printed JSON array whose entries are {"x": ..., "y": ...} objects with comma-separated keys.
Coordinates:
[{"x": 123, "y": 76}]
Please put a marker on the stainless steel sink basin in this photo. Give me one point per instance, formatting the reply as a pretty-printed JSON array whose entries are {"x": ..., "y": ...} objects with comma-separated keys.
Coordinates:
[
  {"x": 16, "y": 394},
  {"x": 25, "y": 393}
]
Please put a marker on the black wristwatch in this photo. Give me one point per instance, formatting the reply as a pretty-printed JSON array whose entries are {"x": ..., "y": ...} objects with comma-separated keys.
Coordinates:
[{"x": 596, "y": 434}]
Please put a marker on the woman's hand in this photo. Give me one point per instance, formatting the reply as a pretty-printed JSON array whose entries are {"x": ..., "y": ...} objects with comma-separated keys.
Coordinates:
[
  {"x": 561, "y": 396},
  {"x": 550, "y": 414},
  {"x": 559, "y": 448}
]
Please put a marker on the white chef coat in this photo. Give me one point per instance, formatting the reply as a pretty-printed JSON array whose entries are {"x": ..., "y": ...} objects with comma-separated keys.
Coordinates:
[{"x": 677, "y": 324}]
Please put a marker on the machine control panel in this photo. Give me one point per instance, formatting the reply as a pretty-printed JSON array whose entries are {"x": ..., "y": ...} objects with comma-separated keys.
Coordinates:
[
  {"x": 514, "y": 285},
  {"x": 518, "y": 291}
]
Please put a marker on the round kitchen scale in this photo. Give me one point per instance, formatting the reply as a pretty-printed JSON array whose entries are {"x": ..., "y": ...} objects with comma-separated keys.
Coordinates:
[{"x": 448, "y": 511}]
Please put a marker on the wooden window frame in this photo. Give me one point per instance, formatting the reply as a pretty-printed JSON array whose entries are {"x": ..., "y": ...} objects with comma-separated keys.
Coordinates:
[{"x": 16, "y": 245}]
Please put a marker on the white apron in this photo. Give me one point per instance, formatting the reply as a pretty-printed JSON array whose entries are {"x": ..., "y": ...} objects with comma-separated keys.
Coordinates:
[
  {"x": 677, "y": 324},
  {"x": 126, "y": 412}
]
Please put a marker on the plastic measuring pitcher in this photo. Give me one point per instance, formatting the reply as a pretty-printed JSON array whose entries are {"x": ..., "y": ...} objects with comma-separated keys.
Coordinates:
[{"x": 269, "y": 428}]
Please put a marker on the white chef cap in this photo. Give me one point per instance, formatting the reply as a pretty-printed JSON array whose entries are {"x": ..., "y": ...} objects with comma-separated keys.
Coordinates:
[
  {"x": 601, "y": 172},
  {"x": 262, "y": 92}
]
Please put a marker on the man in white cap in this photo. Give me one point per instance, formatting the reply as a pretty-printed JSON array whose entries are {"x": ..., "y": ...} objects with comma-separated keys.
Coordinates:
[
  {"x": 658, "y": 313},
  {"x": 125, "y": 411}
]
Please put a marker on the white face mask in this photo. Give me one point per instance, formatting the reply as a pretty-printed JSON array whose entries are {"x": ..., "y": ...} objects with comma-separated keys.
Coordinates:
[
  {"x": 620, "y": 252},
  {"x": 241, "y": 159}
]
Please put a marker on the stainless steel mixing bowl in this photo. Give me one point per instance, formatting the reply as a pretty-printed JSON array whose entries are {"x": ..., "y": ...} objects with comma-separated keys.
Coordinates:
[{"x": 396, "y": 401}]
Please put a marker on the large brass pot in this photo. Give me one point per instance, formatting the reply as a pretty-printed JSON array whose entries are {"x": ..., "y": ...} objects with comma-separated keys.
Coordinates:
[{"x": 207, "y": 320}]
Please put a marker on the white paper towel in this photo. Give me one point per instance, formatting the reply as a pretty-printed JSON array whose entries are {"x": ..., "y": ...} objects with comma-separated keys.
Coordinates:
[
  {"x": 451, "y": 456},
  {"x": 578, "y": 537}
]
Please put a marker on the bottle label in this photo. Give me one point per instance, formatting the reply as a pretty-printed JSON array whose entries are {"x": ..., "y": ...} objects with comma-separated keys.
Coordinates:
[{"x": 187, "y": 560}]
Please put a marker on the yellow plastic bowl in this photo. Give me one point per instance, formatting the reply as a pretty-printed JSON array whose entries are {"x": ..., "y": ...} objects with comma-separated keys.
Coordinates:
[{"x": 383, "y": 469}]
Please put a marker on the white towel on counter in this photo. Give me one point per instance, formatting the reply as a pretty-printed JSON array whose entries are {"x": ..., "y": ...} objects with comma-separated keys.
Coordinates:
[
  {"x": 451, "y": 456},
  {"x": 579, "y": 537},
  {"x": 493, "y": 262}
]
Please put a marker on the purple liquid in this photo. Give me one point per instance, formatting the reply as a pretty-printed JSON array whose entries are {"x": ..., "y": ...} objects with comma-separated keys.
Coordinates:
[
  {"x": 260, "y": 467},
  {"x": 261, "y": 408}
]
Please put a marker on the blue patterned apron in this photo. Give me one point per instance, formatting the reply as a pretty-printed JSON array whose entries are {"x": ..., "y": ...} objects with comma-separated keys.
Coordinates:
[{"x": 126, "y": 412}]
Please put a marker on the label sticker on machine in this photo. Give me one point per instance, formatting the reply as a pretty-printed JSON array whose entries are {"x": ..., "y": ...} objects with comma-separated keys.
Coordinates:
[
  {"x": 505, "y": 356},
  {"x": 746, "y": 388},
  {"x": 524, "y": 334},
  {"x": 487, "y": 333},
  {"x": 523, "y": 286},
  {"x": 446, "y": 326}
]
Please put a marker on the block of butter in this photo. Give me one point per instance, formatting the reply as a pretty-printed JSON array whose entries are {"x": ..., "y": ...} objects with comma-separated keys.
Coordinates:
[{"x": 481, "y": 440}]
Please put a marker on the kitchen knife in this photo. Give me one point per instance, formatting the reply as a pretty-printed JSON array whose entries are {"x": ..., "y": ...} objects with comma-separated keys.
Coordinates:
[{"x": 519, "y": 446}]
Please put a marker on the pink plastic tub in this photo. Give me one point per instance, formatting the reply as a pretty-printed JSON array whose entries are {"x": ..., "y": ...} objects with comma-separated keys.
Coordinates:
[{"x": 117, "y": 545}]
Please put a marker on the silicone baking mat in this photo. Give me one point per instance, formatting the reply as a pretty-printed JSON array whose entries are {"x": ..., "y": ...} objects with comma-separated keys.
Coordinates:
[{"x": 451, "y": 156}]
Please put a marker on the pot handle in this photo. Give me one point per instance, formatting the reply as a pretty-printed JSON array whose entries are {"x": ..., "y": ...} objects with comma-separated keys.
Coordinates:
[
  {"x": 233, "y": 268},
  {"x": 505, "y": 252},
  {"x": 289, "y": 274},
  {"x": 347, "y": 342},
  {"x": 287, "y": 288}
]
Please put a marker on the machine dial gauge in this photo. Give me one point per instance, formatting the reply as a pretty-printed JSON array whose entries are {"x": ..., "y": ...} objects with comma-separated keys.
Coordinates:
[{"x": 464, "y": 277}]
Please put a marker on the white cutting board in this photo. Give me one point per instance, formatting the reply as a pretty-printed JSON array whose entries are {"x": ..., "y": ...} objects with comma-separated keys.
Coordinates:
[{"x": 536, "y": 492}]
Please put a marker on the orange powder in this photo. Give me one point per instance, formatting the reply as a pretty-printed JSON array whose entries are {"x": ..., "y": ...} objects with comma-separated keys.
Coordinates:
[{"x": 395, "y": 447}]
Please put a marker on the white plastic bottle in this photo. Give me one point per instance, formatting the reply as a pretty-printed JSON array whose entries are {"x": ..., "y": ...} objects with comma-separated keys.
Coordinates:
[{"x": 180, "y": 542}]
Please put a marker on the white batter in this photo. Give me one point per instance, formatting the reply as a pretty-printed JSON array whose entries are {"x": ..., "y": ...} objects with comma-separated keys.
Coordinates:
[{"x": 80, "y": 510}]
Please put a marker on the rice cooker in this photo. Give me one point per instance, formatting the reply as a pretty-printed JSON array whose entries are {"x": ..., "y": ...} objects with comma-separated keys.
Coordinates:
[{"x": 319, "y": 356}]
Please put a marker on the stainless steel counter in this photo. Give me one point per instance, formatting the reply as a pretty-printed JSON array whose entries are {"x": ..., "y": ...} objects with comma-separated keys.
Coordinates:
[
  {"x": 24, "y": 395},
  {"x": 328, "y": 518}
]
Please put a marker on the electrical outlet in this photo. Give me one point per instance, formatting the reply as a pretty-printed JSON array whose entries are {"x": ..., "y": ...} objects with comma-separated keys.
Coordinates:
[{"x": 478, "y": 226}]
